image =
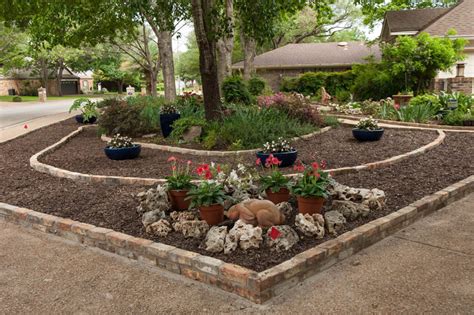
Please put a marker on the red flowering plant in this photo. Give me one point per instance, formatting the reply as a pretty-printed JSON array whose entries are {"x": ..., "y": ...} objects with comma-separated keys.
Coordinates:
[
  {"x": 211, "y": 190},
  {"x": 275, "y": 181},
  {"x": 313, "y": 182},
  {"x": 181, "y": 177}
]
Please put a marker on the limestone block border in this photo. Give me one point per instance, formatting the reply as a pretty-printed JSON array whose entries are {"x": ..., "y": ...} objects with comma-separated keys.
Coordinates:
[
  {"x": 170, "y": 148},
  {"x": 255, "y": 286},
  {"x": 120, "y": 180}
]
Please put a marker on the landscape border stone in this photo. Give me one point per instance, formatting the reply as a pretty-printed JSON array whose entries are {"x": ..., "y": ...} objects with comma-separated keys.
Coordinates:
[
  {"x": 255, "y": 286},
  {"x": 122, "y": 180}
]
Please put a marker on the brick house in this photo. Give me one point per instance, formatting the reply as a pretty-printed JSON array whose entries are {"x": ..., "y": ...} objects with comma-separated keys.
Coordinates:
[
  {"x": 437, "y": 22},
  {"x": 295, "y": 59},
  {"x": 27, "y": 83}
]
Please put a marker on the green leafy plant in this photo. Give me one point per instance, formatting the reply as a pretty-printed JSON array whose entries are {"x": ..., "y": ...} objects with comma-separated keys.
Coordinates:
[
  {"x": 256, "y": 85},
  {"x": 235, "y": 90},
  {"x": 369, "y": 107},
  {"x": 181, "y": 178},
  {"x": 168, "y": 108},
  {"x": 313, "y": 182},
  {"x": 181, "y": 125},
  {"x": 119, "y": 141},
  {"x": 87, "y": 107},
  {"x": 207, "y": 193},
  {"x": 274, "y": 181},
  {"x": 17, "y": 99}
]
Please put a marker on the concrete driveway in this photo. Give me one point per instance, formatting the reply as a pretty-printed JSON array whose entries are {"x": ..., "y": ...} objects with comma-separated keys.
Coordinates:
[{"x": 18, "y": 113}]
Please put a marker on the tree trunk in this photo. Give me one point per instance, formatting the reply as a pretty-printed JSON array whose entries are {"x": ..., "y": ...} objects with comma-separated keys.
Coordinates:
[
  {"x": 201, "y": 11},
  {"x": 59, "y": 76},
  {"x": 153, "y": 80},
  {"x": 44, "y": 73},
  {"x": 250, "y": 50},
  {"x": 225, "y": 46},
  {"x": 165, "y": 48},
  {"x": 120, "y": 86}
]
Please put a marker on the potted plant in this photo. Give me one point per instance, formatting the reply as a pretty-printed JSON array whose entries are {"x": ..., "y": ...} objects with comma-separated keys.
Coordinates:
[
  {"x": 311, "y": 188},
  {"x": 274, "y": 184},
  {"x": 209, "y": 197},
  {"x": 122, "y": 148},
  {"x": 367, "y": 130},
  {"x": 88, "y": 110},
  {"x": 179, "y": 184},
  {"x": 168, "y": 115},
  {"x": 280, "y": 149}
]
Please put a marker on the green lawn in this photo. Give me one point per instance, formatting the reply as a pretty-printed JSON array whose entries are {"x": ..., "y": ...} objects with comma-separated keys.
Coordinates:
[{"x": 8, "y": 98}]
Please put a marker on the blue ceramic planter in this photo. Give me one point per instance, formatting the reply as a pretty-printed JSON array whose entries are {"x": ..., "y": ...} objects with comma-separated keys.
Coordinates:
[
  {"x": 80, "y": 119},
  {"x": 367, "y": 135},
  {"x": 166, "y": 122},
  {"x": 286, "y": 158},
  {"x": 123, "y": 153}
]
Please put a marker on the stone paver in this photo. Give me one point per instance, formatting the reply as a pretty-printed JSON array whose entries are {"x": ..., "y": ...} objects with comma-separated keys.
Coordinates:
[{"x": 426, "y": 268}]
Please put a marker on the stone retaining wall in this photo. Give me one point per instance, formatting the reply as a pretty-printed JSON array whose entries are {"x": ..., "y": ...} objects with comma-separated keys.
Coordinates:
[
  {"x": 257, "y": 287},
  {"x": 119, "y": 180}
]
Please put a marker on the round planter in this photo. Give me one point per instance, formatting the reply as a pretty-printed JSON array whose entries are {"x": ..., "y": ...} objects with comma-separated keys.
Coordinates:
[
  {"x": 282, "y": 195},
  {"x": 367, "y": 135},
  {"x": 310, "y": 205},
  {"x": 178, "y": 201},
  {"x": 166, "y": 123},
  {"x": 286, "y": 158},
  {"x": 123, "y": 153},
  {"x": 80, "y": 119},
  {"x": 213, "y": 214}
]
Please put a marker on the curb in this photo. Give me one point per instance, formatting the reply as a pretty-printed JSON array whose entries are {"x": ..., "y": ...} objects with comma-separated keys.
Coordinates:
[
  {"x": 119, "y": 180},
  {"x": 170, "y": 148},
  {"x": 257, "y": 287}
]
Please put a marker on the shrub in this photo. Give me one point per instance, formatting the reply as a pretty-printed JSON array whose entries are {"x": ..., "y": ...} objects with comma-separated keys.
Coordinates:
[
  {"x": 369, "y": 107},
  {"x": 429, "y": 100},
  {"x": 456, "y": 117},
  {"x": 256, "y": 86},
  {"x": 235, "y": 90},
  {"x": 17, "y": 99},
  {"x": 419, "y": 113},
  {"x": 371, "y": 81},
  {"x": 464, "y": 101},
  {"x": 181, "y": 125},
  {"x": 108, "y": 101}
]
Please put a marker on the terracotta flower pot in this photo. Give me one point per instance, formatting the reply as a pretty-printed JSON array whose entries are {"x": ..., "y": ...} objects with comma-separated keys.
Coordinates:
[
  {"x": 178, "y": 201},
  {"x": 282, "y": 195},
  {"x": 213, "y": 214},
  {"x": 310, "y": 205}
]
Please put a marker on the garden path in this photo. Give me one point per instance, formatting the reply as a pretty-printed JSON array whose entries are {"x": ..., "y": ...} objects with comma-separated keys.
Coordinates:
[{"x": 426, "y": 268}]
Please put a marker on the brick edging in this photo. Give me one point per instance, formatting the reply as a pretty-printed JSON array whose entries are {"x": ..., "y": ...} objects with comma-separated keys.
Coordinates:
[
  {"x": 170, "y": 148},
  {"x": 121, "y": 180},
  {"x": 257, "y": 287},
  {"x": 409, "y": 124}
]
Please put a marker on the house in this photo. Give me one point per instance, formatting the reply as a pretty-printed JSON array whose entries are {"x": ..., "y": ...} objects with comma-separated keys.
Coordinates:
[
  {"x": 27, "y": 82},
  {"x": 295, "y": 59},
  {"x": 437, "y": 22}
]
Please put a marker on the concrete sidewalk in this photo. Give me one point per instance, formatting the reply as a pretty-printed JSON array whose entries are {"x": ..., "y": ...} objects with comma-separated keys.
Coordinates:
[{"x": 426, "y": 268}]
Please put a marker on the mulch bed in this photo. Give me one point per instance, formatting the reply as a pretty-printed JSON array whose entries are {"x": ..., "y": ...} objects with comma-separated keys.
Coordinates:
[
  {"x": 114, "y": 207},
  {"x": 84, "y": 153}
]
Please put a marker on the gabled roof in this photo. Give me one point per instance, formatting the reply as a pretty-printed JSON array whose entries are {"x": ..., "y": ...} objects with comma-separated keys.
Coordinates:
[
  {"x": 30, "y": 74},
  {"x": 412, "y": 20},
  {"x": 460, "y": 17},
  {"x": 314, "y": 55}
]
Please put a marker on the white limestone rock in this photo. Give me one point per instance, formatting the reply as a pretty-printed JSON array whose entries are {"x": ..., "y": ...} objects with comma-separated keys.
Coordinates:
[
  {"x": 244, "y": 236},
  {"x": 195, "y": 228},
  {"x": 351, "y": 210},
  {"x": 161, "y": 228},
  {"x": 154, "y": 199},
  {"x": 335, "y": 221},
  {"x": 286, "y": 238},
  {"x": 215, "y": 239},
  {"x": 151, "y": 217},
  {"x": 177, "y": 216},
  {"x": 285, "y": 208},
  {"x": 310, "y": 225}
]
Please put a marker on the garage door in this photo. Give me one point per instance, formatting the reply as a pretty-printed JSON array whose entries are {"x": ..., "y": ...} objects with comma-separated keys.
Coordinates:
[{"x": 69, "y": 87}]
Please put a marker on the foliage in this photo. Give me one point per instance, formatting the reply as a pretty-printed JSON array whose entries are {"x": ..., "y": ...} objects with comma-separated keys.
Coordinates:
[
  {"x": 87, "y": 107},
  {"x": 416, "y": 60},
  {"x": 168, "y": 108},
  {"x": 274, "y": 181},
  {"x": 210, "y": 139},
  {"x": 187, "y": 62},
  {"x": 330, "y": 121},
  {"x": 17, "y": 99},
  {"x": 256, "y": 85},
  {"x": 464, "y": 102},
  {"x": 180, "y": 178},
  {"x": 313, "y": 182},
  {"x": 426, "y": 100},
  {"x": 150, "y": 108},
  {"x": 181, "y": 125},
  {"x": 368, "y": 124},
  {"x": 235, "y": 90},
  {"x": 277, "y": 146},
  {"x": 207, "y": 193},
  {"x": 369, "y": 107},
  {"x": 119, "y": 141}
]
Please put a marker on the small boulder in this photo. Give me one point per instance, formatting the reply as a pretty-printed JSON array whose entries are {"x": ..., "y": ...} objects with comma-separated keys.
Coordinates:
[
  {"x": 215, "y": 239},
  {"x": 193, "y": 133},
  {"x": 310, "y": 225},
  {"x": 151, "y": 217},
  {"x": 334, "y": 221},
  {"x": 161, "y": 228},
  {"x": 281, "y": 238},
  {"x": 154, "y": 199},
  {"x": 243, "y": 235},
  {"x": 177, "y": 216},
  {"x": 195, "y": 228},
  {"x": 285, "y": 208},
  {"x": 350, "y": 210}
]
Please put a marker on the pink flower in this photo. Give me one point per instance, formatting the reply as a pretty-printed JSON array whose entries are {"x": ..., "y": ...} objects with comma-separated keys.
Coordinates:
[
  {"x": 171, "y": 159},
  {"x": 25, "y": 126},
  {"x": 208, "y": 175},
  {"x": 189, "y": 162},
  {"x": 324, "y": 164},
  {"x": 173, "y": 168},
  {"x": 258, "y": 162},
  {"x": 315, "y": 166},
  {"x": 396, "y": 106}
]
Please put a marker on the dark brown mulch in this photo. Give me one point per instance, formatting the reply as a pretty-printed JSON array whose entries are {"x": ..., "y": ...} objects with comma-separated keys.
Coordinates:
[
  {"x": 114, "y": 207},
  {"x": 84, "y": 153}
]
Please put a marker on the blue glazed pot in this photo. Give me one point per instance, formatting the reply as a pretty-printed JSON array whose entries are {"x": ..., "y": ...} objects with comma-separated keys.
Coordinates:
[
  {"x": 80, "y": 119},
  {"x": 123, "y": 153},
  {"x": 367, "y": 135},
  {"x": 286, "y": 158},
  {"x": 166, "y": 122}
]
